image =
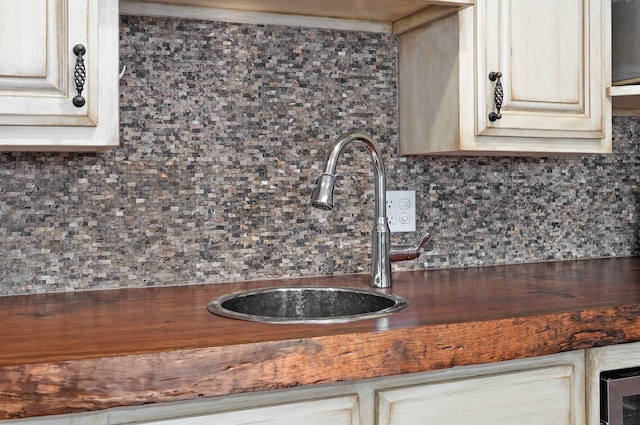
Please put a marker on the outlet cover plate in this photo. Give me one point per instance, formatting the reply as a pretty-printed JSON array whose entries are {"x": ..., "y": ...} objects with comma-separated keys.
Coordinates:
[{"x": 401, "y": 210}]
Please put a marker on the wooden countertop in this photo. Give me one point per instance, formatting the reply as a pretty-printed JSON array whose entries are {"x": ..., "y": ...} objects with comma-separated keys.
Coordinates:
[{"x": 71, "y": 352}]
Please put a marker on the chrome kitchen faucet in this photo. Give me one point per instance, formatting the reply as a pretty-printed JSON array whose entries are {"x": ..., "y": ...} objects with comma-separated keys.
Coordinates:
[{"x": 382, "y": 253}]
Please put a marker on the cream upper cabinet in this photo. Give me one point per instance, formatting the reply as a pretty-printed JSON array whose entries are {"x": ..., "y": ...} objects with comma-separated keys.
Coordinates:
[
  {"x": 58, "y": 74},
  {"x": 508, "y": 77}
]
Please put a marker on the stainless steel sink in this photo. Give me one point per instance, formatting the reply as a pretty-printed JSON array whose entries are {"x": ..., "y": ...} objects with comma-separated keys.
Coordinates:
[{"x": 307, "y": 304}]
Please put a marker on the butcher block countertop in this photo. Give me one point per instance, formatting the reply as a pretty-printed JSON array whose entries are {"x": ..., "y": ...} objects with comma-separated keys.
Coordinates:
[{"x": 71, "y": 352}]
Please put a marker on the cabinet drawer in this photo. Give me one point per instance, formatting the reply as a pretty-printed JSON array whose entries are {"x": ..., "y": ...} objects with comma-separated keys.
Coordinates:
[
  {"x": 531, "y": 397},
  {"x": 335, "y": 411}
]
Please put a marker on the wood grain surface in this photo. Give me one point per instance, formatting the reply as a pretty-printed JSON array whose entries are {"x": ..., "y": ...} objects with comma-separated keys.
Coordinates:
[{"x": 62, "y": 353}]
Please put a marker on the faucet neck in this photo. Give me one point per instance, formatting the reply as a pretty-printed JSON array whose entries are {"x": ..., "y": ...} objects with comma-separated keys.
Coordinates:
[{"x": 378, "y": 168}]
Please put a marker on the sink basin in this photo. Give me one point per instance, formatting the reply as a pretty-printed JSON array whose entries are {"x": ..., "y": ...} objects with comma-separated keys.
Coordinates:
[{"x": 307, "y": 304}]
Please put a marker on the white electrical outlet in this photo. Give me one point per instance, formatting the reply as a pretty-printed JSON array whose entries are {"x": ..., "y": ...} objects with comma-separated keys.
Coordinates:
[{"x": 401, "y": 210}]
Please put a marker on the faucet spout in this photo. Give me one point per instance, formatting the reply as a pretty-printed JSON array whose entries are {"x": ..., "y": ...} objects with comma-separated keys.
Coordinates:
[{"x": 322, "y": 197}]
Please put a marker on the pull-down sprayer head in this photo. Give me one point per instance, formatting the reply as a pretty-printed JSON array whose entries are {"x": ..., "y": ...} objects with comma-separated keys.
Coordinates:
[{"x": 322, "y": 196}]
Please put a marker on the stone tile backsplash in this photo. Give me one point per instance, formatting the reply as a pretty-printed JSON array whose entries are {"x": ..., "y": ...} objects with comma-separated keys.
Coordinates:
[{"x": 224, "y": 129}]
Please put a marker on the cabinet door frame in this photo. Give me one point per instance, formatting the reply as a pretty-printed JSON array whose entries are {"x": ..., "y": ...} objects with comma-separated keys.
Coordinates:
[
  {"x": 43, "y": 94},
  {"x": 571, "y": 112},
  {"x": 98, "y": 129}
]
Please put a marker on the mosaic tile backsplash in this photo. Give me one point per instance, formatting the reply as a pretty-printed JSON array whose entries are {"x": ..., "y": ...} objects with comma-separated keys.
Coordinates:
[{"x": 224, "y": 129}]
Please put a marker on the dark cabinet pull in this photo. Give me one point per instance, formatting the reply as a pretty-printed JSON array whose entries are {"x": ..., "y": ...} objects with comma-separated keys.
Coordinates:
[
  {"x": 79, "y": 74},
  {"x": 498, "y": 95}
]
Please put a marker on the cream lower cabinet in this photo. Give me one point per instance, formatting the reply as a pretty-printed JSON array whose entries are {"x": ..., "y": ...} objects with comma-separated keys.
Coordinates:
[
  {"x": 613, "y": 357},
  {"x": 533, "y": 397},
  {"x": 508, "y": 77},
  {"x": 58, "y": 74}
]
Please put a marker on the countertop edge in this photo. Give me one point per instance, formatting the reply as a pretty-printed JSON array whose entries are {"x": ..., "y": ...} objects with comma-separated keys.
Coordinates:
[{"x": 99, "y": 383}]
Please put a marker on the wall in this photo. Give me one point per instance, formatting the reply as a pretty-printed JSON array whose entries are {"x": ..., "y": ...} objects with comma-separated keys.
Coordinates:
[{"x": 224, "y": 130}]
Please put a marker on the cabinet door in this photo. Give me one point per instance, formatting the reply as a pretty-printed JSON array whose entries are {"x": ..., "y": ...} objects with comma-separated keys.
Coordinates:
[
  {"x": 37, "y": 70},
  {"x": 549, "y": 53},
  {"x": 335, "y": 411},
  {"x": 533, "y": 397},
  {"x": 40, "y": 74}
]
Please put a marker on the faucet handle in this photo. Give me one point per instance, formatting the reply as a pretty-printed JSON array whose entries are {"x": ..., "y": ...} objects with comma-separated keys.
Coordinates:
[{"x": 407, "y": 252}]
